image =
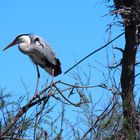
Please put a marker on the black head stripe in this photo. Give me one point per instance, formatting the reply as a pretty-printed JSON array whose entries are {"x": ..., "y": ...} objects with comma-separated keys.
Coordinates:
[{"x": 22, "y": 35}]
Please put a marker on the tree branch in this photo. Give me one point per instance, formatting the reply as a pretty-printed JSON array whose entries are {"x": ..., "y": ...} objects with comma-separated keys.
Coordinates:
[{"x": 94, "y": 52}]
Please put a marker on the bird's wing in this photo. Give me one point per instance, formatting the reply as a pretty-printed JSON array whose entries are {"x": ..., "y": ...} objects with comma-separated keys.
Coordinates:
[{"x": 44, "y": 49}]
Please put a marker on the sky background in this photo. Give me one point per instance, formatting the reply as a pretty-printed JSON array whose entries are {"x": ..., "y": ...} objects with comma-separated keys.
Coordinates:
[{"x": 74, "y": 28}]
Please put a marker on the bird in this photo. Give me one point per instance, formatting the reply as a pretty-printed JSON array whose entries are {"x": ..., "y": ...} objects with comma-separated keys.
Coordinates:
[{"x": 40, "y": 52}]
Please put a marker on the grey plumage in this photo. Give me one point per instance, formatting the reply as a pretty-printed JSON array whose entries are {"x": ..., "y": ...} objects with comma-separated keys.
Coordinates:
[
  {"x": 44, "y": 56},
  {"x": 39, "y": 51}
]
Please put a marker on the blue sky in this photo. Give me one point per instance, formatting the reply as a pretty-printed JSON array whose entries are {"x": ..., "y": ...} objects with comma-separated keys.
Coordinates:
[{"x": 73, "y": 28}]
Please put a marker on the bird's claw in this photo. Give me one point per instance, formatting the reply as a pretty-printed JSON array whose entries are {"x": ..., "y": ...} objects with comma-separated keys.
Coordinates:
[{"x": 36, "y": 96}]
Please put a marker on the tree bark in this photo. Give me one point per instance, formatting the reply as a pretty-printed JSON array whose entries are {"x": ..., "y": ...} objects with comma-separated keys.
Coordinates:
[
  {"x": 128, "y": 81},
  {"x": 128, "y": 65}
]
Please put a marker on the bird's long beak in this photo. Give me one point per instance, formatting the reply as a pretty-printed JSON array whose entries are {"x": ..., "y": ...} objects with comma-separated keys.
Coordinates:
[{"x": 10, "y": 45}]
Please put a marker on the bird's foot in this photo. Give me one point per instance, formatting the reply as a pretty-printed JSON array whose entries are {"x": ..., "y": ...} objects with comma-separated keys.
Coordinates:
[
  {"x": 52, "y": 84},
  {"x": 36, "y": 96},
  {"x": 51, "y": 87}
]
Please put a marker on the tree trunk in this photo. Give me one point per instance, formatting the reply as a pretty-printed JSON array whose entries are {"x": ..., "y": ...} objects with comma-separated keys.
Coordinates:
[
  {"x": 130, "y": 17},
  {"x": 128, "y": 81}
]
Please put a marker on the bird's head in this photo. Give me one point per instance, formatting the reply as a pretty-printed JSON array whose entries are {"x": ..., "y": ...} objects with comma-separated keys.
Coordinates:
[{"x": 22, "y": 38}]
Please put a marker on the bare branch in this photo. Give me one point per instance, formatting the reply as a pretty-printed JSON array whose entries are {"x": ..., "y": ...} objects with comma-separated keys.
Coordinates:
[
  {"x": 100, "y": 117},
  {"x": 65, "y": 97}
]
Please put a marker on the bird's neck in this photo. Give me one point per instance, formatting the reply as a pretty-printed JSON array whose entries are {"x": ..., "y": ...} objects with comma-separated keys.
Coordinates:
[{"x": 24, "y": 46}]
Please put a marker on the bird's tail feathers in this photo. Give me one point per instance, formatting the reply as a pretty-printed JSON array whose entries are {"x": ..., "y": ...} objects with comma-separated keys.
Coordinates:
[{"x": 57, "y": 69}]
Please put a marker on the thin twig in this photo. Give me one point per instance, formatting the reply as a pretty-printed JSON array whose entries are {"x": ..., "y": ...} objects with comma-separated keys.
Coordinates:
[
  {"x": 78, "y": 86},
  {"x": 23, "y": 110},
  {"x": 100, "y": 117},
  {"x": 76, "y": 105}
]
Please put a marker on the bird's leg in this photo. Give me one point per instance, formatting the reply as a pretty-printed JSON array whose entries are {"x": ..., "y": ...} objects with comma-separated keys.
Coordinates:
[
  {"x": 52, "y": 82},
  {"x": 52, "y": 76},
  {"x": 38, "y": 78}
]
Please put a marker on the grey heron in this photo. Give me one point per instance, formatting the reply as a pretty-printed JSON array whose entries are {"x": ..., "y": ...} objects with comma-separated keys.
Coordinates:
[{"x": 40, "y": 53}]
